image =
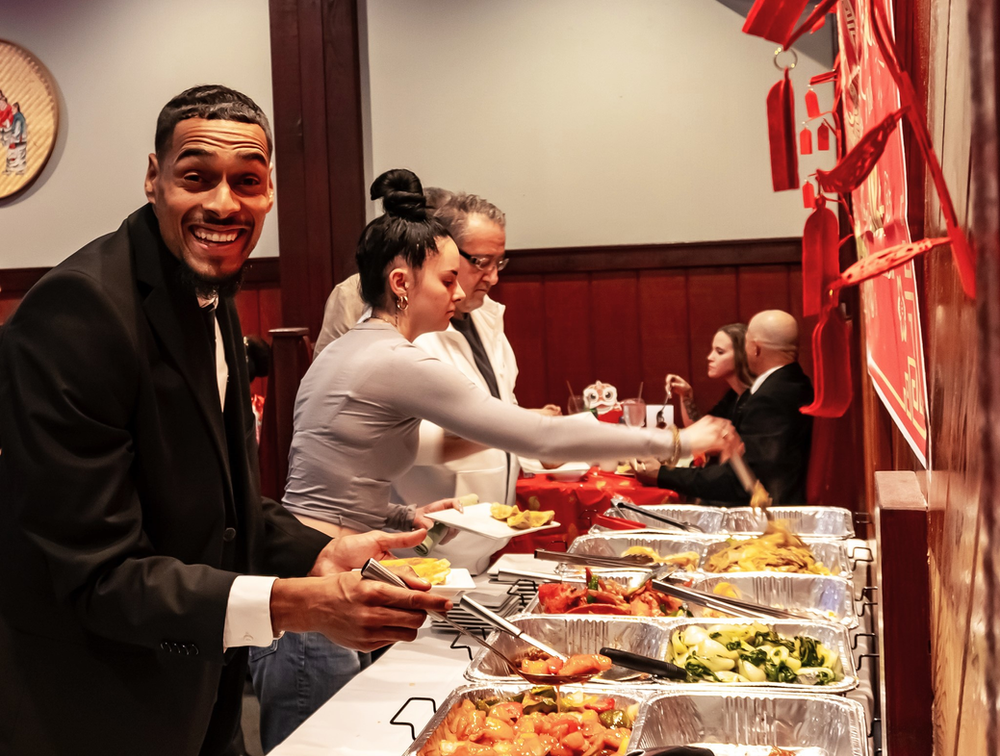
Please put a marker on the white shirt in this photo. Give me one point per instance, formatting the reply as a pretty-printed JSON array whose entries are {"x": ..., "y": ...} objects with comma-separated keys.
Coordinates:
[
  {"x": 763, "y": 377},
  {"x": 248, "y": 609}
]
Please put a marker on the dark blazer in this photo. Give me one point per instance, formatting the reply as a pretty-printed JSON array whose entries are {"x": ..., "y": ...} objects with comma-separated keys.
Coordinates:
[
  {"x": 128, "y": 505},
  {"x": 777, "y": 437}
]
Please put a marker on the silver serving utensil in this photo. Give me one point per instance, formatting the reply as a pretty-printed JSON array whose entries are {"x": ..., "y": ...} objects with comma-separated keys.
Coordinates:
[
  {"x": 480, "y": 611},
  {"x": 620, "y": 505},
  {"x": 640, "y": 561},
  {"x": 739, "y": 607},
  {"x": 372, "y": 570}
]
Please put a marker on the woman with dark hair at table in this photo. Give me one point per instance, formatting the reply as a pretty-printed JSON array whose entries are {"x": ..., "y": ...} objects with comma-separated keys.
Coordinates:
[
  {"x": 727, "y": 361},
  {"x": 357, "y": 418}
]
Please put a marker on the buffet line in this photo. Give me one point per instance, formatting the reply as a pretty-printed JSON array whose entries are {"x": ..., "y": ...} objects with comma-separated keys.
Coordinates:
[{"x": 728, "y": 632}]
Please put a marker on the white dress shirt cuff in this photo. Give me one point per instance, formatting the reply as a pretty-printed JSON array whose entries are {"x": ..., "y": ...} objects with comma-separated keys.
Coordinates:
[{"x": 248, "y": 613}]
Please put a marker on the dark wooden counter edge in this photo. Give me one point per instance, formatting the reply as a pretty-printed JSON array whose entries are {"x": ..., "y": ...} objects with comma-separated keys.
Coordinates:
[{"x": 903, "y": 579}]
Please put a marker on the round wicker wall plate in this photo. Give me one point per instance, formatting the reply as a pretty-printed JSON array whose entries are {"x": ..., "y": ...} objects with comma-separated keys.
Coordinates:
[{"x": 29, "y": 118}]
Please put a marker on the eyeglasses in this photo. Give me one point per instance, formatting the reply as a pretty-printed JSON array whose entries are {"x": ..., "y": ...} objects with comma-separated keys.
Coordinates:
[{"x": 485, "y": 263}]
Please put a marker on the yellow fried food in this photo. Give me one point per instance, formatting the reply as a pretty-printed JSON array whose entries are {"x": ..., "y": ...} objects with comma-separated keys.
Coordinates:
[
  {"x": 760, "y": 498},
  {"x": 434, "y": 571},
  {"x": 686, "y": 560},
  {"x": 538, "y": 519},
  {"x": 775, "y": 551},
  {"x": 522, "y": 519},
  {"x": 500, "y": 511},
  {"x": 726, "y": 589}
]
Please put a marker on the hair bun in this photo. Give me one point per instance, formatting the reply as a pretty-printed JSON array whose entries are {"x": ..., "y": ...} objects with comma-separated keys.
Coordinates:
[{"x": 401, "y": 193}]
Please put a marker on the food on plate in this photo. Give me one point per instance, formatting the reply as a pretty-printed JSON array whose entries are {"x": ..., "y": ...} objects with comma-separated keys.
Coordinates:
[
  {"x": 601, "y": 596},
  {"x": 540, "y": 663},
  {"x": 687, "y": 560},
  {"x": 532, "y": 723},
  {"x": 526, "y": 518},
  {"x": 500, "y": 511},
  {"x": 752, "y": 653},
  {"x": 434, "y": 571},
  {"x": 776, "y": 551}
]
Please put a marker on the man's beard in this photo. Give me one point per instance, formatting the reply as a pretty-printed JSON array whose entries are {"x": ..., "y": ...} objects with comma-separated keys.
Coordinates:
[{"x": 208, "y": 288}]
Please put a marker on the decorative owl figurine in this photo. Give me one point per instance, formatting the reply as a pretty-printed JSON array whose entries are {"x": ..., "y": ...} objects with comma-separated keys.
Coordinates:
[{"x": 602, "y": 400}]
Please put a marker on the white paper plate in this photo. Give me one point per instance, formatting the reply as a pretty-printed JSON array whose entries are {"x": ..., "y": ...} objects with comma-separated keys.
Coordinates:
[
  {"x": 459, "y": 581},
  {"x": 567, "y": 472},
  {"x": 477, "y": 519}
]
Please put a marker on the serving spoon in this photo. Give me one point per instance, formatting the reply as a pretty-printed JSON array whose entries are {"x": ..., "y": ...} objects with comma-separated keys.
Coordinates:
[{"x": 375, "y": 571}]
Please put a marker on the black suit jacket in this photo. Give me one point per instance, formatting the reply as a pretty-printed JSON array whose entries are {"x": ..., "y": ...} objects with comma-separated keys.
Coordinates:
[
  {"x": 128, "y": 505},
  {"x": 777, "y": 437}
]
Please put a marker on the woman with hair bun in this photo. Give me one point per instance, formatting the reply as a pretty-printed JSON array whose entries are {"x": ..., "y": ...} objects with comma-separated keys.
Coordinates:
[{"x": 358, "y": 414}]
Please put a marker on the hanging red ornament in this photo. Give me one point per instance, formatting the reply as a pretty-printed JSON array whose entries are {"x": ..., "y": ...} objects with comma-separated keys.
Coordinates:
[
  {"x": 806, "y": 141},
  {"x": 820, "y": 256},
  {"x": 855, "y": 166},
  {"x": 812, "y": 103},
  {"x": 831, "y": 343},
  {"x": 781, "y": 132},
  {"x": 774, "y": 19},
  {"x": 823, "y": 137},
  {"x": 808, "y": 196}
]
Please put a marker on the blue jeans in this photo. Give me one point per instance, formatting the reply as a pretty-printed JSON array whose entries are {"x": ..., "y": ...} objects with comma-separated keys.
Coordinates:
[{"x": 296, "y": 675}]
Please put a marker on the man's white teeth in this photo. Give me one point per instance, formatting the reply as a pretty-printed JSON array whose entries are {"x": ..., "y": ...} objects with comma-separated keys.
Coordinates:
[{"x": 216, "y": 236}]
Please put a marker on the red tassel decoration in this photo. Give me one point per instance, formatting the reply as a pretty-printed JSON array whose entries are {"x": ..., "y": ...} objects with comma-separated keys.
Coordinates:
[
  {"x": 831, "y": 342},
  {"x": 781, "y": 132},
  {"x": 820, "y": 257},
  {"x": 806, "y": 141},
  {"x": 774, "y": 19},
  {"x": 812, "y": 103},
  {"x": 823, "y": 137},
  {"x": 855, "y": 166},
  {"x": 808, "y": 196}
]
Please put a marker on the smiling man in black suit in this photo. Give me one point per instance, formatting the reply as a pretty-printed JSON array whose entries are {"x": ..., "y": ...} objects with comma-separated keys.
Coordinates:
[
  {"x": 776, "y": 434},
  {"x": 137, "y": 558}
]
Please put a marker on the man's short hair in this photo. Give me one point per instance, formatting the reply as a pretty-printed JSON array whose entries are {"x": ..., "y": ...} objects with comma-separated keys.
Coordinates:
[
  {"x": 453, "y": 211},
  {"x": 213, "y": 102}
]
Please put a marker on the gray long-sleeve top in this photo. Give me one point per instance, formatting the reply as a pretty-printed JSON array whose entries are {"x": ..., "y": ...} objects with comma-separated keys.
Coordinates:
[{"x": 357, "y": 419}]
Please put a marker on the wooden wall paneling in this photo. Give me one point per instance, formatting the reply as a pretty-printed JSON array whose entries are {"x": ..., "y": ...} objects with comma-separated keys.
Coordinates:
[
  {"x": 664, "y": 330},
  {"x": 806, "y": 325},
  {"x": 762, "y": 287},
  {"x": 569, "y": 353},
  {"x": 712, "y": 302},
  {"x": 248, "y": 307},
  {"x": 8, "y": 303},
  {"x": 616, "y": 345},
  {"x": 524, "y": 324}
]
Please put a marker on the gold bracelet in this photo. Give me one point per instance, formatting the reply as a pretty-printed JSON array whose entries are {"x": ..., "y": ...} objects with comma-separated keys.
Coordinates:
[{"x": 675, "y": 454}]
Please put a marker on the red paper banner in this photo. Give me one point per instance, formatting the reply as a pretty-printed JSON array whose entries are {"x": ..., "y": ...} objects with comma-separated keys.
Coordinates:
[{"x": 891, "y": 311}]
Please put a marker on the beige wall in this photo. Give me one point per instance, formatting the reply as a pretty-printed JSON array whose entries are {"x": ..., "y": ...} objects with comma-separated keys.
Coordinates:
[
  {"x": 588, "y": 121},
  {"x": 116, "y": 62}
]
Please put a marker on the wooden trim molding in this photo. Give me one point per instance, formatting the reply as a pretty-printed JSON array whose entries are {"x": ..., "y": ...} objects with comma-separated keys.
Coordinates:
[
  {"x": 261, "y": 271},
  {"x": 655, "y": 256}
]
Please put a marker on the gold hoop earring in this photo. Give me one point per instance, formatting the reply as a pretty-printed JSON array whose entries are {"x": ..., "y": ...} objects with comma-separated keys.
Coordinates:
[{"x": 402, "y": 302}]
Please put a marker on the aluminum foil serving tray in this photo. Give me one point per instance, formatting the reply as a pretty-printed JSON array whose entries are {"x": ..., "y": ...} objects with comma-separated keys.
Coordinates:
[
  {"x": 828, "y": 598},
  {"x": 819, "y": 522},
  {"x": 831, "y": 554},
  {"x": 587, "y": 634},
  {"x": 825, "y": 725},
  {"x": 623, "y": 697}
]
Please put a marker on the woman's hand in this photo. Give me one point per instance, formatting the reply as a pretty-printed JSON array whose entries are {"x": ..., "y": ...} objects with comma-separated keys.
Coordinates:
[
  {"x": 421, "y": 520},
  {"x": 711, "y": 434},
  {"x": 647, "y": 471},
  {"x": 675, "y": 385},
  {"x": 351, "y": 552}
]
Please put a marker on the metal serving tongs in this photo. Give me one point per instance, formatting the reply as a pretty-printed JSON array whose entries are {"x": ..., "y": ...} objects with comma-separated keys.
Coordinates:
[
  {"x": 739, "y": 607},
  {"x": 620, "y": 504},
  {"x": 632, "y": 562},
  {"x": 375, "y": 571}
]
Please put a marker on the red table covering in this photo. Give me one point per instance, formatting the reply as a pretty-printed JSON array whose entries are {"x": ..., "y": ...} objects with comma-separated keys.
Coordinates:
[{"x": 576, "y": 504}]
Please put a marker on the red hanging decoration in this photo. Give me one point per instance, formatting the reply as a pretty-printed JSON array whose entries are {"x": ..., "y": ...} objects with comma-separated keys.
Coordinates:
[
  {"x": 820, "y": 256},
  {"x": 774, "y": 19},
  {"x": 831, "y": 343},
  {"x": 806, "y": 141},
  {"x": 781, "y": 132},
  {"x": 808, "y": 196},
  {"x": 812, "y": 103},
  {"x": 855, "y": 166},
  {"x": 812, "y": 24},
  {"x": 823, "y": 137}
]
